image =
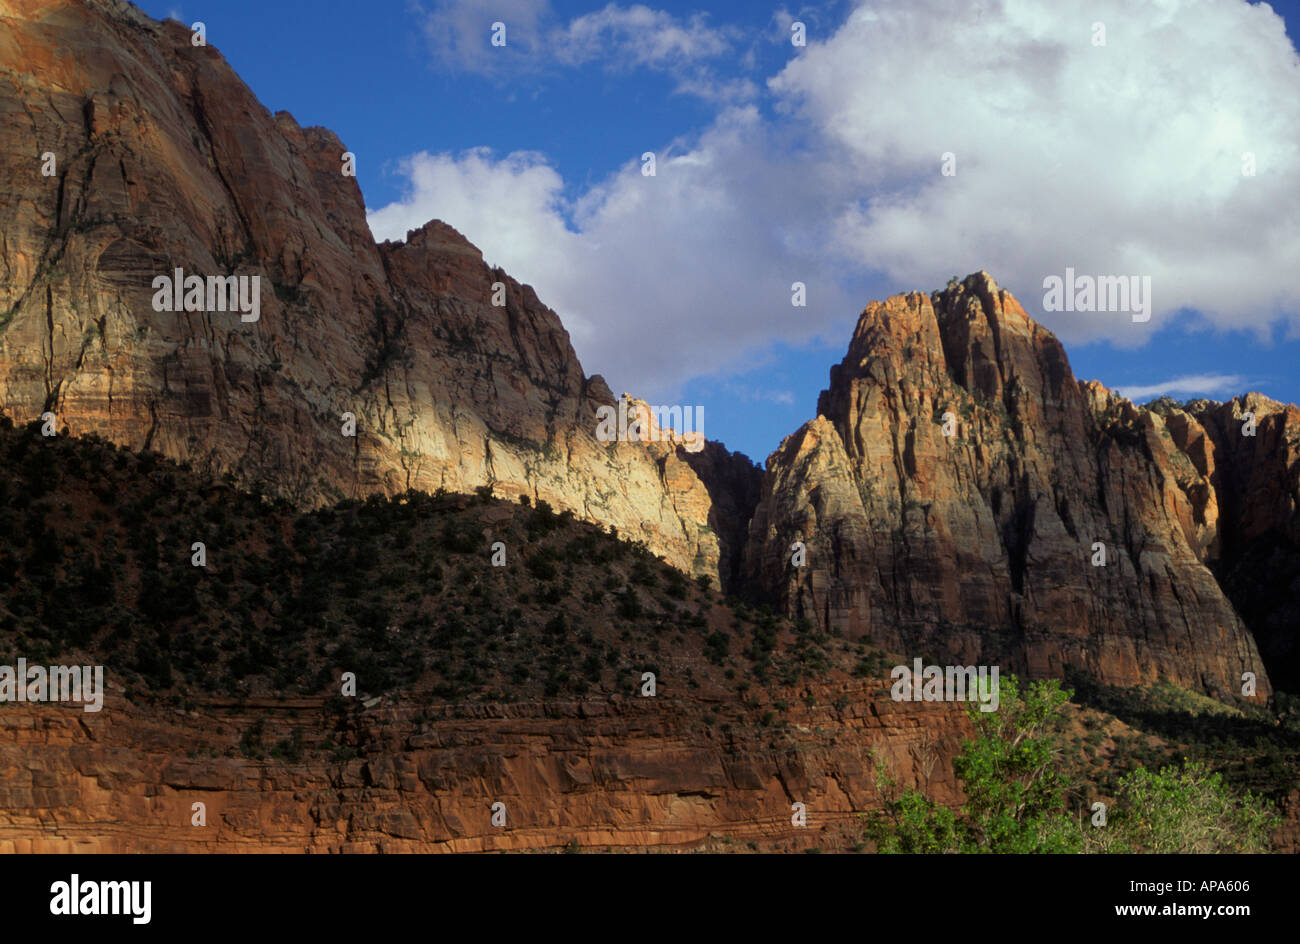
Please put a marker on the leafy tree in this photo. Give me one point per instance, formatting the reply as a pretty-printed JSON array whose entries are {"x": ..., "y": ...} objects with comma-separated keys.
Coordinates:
[
  {"x": 1016, "y": 796},
  {"x": 1183, "y": 809},
  {"x": 1011, "y": 772},
  {"x": 910, "y": 822}
]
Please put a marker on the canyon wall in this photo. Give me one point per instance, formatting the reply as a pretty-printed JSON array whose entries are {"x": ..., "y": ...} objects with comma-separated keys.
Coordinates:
[
  {"x": 610, "y": 772},
  {"x": 165, "y": 160},
  {"x": 976, "y": 542}
]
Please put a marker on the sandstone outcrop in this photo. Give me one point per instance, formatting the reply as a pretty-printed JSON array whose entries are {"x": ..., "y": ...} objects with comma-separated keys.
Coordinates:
[
  {"x": 621, "y": 773},
  {"x": 165, "y": 160},
  {"x": 979, "y": 546},
  {"x": 1246, "y": 490}
]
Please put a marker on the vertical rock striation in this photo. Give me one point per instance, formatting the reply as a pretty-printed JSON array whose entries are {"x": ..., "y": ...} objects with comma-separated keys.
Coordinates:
[
  {"x": 979, "y": 546},
  {"x": 166, "y": 160}
]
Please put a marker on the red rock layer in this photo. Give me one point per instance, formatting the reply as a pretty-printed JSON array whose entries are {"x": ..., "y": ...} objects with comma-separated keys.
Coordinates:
[{"x": 620, "y": 773}]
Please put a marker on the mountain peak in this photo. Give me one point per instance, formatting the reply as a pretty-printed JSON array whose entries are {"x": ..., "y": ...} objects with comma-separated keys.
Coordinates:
[
  {"x": 958, "y": 506},
  {"x": 438, "y": 236}
]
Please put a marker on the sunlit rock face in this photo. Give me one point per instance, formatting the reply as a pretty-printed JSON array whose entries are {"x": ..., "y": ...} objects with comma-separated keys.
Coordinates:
[
  {"x": 959, "y": 488},
  {"x": 455, "y": 375}
]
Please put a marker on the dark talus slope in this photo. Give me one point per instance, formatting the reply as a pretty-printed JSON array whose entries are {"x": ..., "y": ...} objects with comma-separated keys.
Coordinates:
[
  {"x": 978, "y": 547},
  {"x": 164, "y": 159}
]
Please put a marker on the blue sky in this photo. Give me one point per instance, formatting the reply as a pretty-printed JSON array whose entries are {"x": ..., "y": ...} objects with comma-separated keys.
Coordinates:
[{"x": 821, "y": 164}]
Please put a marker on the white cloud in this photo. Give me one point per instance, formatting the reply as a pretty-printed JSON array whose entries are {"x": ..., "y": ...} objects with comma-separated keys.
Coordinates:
[
  {"x": 705, "y": 84},
  {"x": 511, "y": 208},
  {"x": 1122, "y": 159},
  {"x": 1187, "y": 386},
  {"x": 640, "y": 36},
  {"x": 748, "y": 394},
  {"x": 616, "y": 38},
  {"x": 459, "y": 33},
  {"x": 658, "y": 279},
  {"x": 814, "y": 17}
]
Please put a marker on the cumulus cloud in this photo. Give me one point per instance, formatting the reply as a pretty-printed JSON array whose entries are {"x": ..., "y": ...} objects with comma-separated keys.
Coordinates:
[
  {"x": 1122, "y": 159},
  {"x": 1189, "y": 385},
  {"x": 510, "y": 207},
  {"x": 816, "y": 18},
  {"x": 658, "y": 279}
]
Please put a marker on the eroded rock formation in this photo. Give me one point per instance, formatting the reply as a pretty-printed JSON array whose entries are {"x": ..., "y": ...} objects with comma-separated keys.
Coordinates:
[
  {"x": 164, "y": 159},
  {"x": 979, "y": 546}
]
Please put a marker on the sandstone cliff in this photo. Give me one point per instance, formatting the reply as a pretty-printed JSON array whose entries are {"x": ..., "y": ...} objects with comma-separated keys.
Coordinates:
[
  {"x": 476, "y": 681},
  {"x": 1246, "y": 491},
  {"x": 164, "y": 159},
  {"x": 979, "y": 546},
  {"x": 619, "y": 773}
]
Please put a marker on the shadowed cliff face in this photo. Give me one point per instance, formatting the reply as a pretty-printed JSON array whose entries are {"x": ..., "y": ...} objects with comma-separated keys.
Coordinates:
[
  {"x": 165, "y": 160},
  {"x": 978, "y": 546},
  {"x": 1247, "y": 491}
]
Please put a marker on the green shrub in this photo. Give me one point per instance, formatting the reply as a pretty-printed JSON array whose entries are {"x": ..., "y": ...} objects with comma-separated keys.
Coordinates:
[{"x": 1185, "y": 809}]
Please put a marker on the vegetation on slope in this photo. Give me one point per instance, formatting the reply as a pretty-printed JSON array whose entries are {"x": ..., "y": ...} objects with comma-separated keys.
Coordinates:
[
  {"x": 97, "y": 561},
  {"x": 1024, "y": 794},
  {"x": 97, "y": 564}
]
